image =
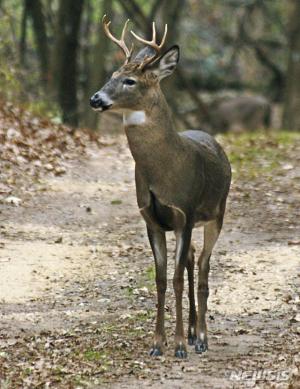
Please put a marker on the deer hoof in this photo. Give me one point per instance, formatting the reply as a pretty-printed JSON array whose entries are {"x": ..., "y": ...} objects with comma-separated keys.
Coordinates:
[
  {"x": 180, "y": 352},
  {"x": 192, "y": 339},
  {"x": 155, "y": 352},
  {"x": 201, "y": 346}
]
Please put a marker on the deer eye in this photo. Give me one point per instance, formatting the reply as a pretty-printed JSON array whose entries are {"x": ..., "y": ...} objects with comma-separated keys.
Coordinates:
[{"x": 129, "y": 81}]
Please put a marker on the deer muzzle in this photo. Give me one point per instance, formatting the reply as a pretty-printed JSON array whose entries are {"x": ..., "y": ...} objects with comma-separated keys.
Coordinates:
[{"x": 100, "y": 101}]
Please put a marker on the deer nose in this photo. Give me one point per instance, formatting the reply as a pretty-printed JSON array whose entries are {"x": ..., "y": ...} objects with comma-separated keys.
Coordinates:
[
  {"x": 95, "y": 100},
  {"x": 100, "y": 101}
]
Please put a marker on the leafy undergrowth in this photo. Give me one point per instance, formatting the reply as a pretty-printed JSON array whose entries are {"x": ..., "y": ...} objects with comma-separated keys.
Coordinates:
[
  {"x": 81, "y": 356},
  {"x": 33, "y": 146},
  {"x": 262, "y": 153},
  {"x": 266, "y": 171}
]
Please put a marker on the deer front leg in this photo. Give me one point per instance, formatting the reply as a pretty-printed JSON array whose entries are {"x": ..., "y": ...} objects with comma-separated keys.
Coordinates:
[
  {"x": 159, "y": 248},
  {"x": 183, "y": 241},
  {"x": 211, "y": 234}
]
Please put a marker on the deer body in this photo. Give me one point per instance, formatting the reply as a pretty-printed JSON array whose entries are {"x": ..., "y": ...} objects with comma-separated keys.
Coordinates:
[
  {"x": 240, "y": 113},
  {"x": 178, "y": 170},
  {"x": 182, "y": 180}
]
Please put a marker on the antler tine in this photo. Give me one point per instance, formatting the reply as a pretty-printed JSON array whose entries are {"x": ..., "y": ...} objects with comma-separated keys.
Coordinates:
[
  {"x": 164, "y": 36},
  {"x": 123, "y": 39},
  {"x": 157, "y": 47},
  {"x": 120, "y": 42},
  {"x": 124, "y": 29},
  {"x": 153, "y": 32}
]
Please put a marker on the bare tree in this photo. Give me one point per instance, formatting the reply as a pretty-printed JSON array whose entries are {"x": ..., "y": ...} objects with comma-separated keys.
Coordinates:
[
  {"x": 23, "y": 34},
  {"x": 291, "y": 115},
  {"x": 35, "y": 11},
  {"x": 64, "y": 71},
  {"x": 97, "y": 72}
]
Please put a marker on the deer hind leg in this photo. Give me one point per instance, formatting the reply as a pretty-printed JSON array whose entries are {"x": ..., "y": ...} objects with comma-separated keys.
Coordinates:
[
  {"x": 159, "y": 248},
  {"x": 211, "y": 234},
  {"x": 183, "y": 241},
  {"x": 192, "y": 313}
]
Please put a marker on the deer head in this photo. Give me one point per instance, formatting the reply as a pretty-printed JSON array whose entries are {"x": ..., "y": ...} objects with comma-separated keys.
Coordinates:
[{"x": 133, "y": 85}]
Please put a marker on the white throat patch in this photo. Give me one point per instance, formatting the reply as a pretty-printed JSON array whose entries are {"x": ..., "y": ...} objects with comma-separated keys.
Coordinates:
[{"x": 134, "y": 118}]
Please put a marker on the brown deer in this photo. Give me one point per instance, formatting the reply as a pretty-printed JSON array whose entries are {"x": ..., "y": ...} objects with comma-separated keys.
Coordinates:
[
  {"x": 240, "y": 113},
  {"x": 182, "y": 180}
]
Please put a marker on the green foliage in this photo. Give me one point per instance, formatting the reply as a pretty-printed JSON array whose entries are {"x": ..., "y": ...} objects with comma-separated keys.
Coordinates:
[
  {"x": 93, "y": 355},
  {"x": 258, "y": 153},
  {"x": 218, "y": 38},
  {"x": 150, "y": 273},
  {"x": 116, "y": 202},
  {"x": 44, "y": 107},
  {"x": 10, "y": 84}
]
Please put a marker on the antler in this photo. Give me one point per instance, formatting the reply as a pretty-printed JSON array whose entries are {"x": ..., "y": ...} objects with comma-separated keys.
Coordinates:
[
  {"x": 120, "y": 42},
  {"x": 157, "y": 47}
]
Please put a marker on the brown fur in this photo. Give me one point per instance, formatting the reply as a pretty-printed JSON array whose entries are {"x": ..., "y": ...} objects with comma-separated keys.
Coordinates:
[{"x": 182, "y": 180}]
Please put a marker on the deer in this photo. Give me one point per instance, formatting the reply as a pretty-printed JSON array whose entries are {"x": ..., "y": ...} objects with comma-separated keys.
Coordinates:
[
  {"x": 240, "y": 113},
  {"x": 182, "y": 180}
]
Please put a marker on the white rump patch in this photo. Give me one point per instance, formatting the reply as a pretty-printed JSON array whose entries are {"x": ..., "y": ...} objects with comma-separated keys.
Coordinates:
[{"x": 134, "y": 118}]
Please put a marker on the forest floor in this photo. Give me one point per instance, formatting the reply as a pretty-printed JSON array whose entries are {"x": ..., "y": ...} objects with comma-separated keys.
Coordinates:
[{"x": 77, "y": 293}]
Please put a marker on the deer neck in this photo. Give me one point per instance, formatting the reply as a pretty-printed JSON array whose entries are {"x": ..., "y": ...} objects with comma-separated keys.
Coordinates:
[{"x": 151, "y": 134}]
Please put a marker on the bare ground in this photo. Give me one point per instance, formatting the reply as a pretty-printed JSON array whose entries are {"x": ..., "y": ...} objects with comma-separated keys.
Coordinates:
[{"x": 77, "y": 283}]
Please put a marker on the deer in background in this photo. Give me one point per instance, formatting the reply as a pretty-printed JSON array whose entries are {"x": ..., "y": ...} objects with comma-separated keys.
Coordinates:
[
  {"x": 182, "y": 180},
  {"x": 240, "y": 113}
]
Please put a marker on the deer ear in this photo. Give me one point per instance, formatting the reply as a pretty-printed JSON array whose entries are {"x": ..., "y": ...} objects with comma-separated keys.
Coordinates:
[{"x": 166, "y": 64}]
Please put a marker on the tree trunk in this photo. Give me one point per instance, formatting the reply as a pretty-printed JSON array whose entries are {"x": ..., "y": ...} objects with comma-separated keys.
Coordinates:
[
  {"x": 291, "y": 114},
  {"x": 171, "y": 14},
  {"x": 64, "y": 68},
  {"x": 97, "y": 72},
  {"x": 34, "y": 8},
  {"x": 23, "y": 35}
]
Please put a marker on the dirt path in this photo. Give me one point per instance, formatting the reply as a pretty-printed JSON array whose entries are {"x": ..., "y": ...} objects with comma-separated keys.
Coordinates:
[{"x": 78, "y": 297}]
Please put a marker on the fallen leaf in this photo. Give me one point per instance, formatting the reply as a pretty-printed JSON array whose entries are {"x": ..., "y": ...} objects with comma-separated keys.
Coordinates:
[{"x": 13, "y": 200}]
